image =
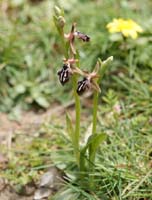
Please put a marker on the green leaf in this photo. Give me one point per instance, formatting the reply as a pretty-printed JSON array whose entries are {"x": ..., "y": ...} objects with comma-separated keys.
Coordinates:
[
  {"x": 42, "y": 101},
  {"x": 66, "y": 194},
  {"x": 83, "y": 158},
  {"x": 16, "y": 3},
  {"x": 20, "y": 89},
  {"x": 94, "y": 142},
  {"x": 92, "y": 145},
  {"x": 58, "y": 11},
  {"x": 56, "y": 22}
]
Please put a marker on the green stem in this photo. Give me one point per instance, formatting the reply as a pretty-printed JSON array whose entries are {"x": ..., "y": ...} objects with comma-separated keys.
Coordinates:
[
  {"x": 94, "y": 128},
  {"x": 95, "y": 108},
  {"x": 77, "y": 102},
  {"x": 64, "y": 46},
  {"x": 77, "y": 117}
]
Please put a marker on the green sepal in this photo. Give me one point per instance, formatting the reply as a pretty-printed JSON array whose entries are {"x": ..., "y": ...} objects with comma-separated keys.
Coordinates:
[
  {"x": 58, "y": 11},
  {"x": 103, "y": 65}
]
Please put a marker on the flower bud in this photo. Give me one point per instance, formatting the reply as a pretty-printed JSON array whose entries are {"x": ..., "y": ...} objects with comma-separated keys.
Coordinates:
[
  {"x": 61, "y": 21},
  {"x": 58, "y": 11}
]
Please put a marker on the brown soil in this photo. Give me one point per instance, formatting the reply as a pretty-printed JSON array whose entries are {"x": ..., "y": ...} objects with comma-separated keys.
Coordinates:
[
  {"x": 9, "y": 194},
  {"x": 30, "y": 121},
  {"x": 28, "y": 124}
]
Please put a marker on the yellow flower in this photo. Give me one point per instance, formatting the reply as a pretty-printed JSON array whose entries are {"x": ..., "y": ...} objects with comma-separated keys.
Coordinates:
[{"x": 126, "y": 27}]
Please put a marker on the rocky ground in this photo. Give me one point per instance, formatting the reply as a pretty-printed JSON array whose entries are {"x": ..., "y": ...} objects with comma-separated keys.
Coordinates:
[{"x": 28, "y": 123}]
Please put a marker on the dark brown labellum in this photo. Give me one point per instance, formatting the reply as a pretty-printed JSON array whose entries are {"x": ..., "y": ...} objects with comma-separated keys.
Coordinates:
[
  {"x": 82, "y": 36},
  {"x": 64, "y": 74},
  {"x": 83, "y": 86}
]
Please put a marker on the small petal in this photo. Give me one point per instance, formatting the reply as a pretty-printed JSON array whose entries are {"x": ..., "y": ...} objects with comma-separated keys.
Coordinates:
[{"x": 95, "y": 86}]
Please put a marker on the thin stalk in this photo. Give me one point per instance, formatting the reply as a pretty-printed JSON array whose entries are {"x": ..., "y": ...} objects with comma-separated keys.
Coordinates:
[
  {"x": 95, "y": 108},
  {"x": 77, "y": 113},
  {"x": 77, "y": 118},
  {"x": 103, "y": 67},
  {"x": 94, "y": 128},
  {"x": 64, "y": 46}
]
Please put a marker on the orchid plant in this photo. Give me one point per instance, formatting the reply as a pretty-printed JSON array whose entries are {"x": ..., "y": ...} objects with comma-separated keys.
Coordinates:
[{"x": 71, "y": 70}]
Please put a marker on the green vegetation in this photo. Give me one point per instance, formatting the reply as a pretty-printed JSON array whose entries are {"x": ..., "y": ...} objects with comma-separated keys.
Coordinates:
[
  {"x": 71, "y": 69},
  {"x": 30, "y": 56}
]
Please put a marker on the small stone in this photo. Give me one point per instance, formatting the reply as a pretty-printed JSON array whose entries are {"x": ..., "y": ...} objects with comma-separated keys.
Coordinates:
[
  {"x": 42, "y": 193},
  {"x": 3, "y": 184},
  {"x": 52, "y": 178},
  {"x": 50, "y": 182}
]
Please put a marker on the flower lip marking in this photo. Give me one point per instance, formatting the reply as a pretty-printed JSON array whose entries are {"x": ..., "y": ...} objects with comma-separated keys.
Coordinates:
[
  {"x": 82, "y": 36},
  {"x": 64, "y": 74},
  {"x": 83, "y": 85}
]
